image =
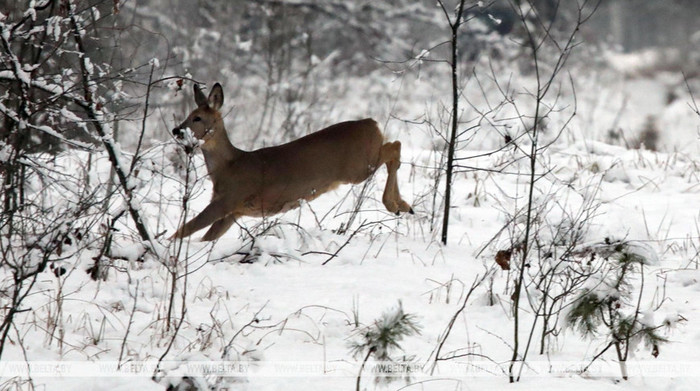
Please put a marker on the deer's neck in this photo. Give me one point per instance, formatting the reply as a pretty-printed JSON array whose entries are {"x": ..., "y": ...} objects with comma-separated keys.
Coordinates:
[{"x": 219, "y": 152}]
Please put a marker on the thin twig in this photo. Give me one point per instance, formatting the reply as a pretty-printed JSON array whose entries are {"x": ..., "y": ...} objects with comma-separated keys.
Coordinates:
[
  {"x": 128, "y": 327},
  {"x": 445, "y": 334}
]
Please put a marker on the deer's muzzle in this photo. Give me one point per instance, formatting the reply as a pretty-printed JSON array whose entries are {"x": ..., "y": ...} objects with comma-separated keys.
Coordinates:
[{"x": 177, "y": 132}]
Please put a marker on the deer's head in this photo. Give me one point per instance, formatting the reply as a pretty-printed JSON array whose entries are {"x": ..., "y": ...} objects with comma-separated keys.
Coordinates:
[{"x": 206, "y": 118}]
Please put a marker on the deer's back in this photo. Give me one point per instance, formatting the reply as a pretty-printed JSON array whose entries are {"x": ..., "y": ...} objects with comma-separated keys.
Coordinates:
[{"x": 274, "y": 179}]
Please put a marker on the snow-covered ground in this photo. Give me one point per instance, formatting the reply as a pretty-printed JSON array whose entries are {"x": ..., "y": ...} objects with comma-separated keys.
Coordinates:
[{"x": 289, "y": 317}]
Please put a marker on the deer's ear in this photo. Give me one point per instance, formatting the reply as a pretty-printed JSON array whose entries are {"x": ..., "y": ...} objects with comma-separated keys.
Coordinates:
[
  {"x": 199, "y": 96},
  {"x": 216, "y": 97}
]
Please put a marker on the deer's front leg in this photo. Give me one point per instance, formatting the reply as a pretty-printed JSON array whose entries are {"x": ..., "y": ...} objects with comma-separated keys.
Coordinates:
[
  {"x": 219, "y": 228},
  {"x": 390, "y": 154},
  {"x": 210, "y": 214}
]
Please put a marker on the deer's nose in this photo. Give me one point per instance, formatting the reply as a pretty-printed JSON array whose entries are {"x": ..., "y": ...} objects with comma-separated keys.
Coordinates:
[{"x": 177, "y": 132}]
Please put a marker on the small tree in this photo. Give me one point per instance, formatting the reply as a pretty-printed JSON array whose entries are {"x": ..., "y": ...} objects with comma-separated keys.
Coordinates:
[
  {"x": 382, "y": 337},
  {"x": 548, "y": 55},
  {"x": 454, "y": 23},
  {"x": 606, "y": 307}
]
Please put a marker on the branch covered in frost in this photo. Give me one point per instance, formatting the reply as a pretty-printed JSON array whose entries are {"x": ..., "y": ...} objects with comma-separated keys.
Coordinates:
[{"x": 95, "y": 114}]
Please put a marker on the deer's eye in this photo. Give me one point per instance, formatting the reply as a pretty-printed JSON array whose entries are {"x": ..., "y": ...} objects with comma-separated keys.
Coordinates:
[{"x": 196, "y": 119}]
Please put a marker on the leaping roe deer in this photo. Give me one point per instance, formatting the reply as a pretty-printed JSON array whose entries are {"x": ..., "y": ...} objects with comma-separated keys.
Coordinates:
[{"x": 273, "y": 180}]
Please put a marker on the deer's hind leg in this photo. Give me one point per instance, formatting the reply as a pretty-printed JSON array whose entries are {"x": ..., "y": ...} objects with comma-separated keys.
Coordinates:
[{"x": 390, "y": 154}]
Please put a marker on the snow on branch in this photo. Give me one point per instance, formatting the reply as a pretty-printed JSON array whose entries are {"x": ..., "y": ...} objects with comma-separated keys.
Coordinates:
[{"x": 95, "y": 114}]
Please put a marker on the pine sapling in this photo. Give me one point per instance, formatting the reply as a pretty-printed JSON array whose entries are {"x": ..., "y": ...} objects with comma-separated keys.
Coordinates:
[
  {"x": 605, "y": 307},
  {"x": 384, "y": 336}
]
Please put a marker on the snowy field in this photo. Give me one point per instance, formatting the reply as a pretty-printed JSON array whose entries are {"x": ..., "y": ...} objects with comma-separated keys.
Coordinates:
[{"x": 278, "y": 302}]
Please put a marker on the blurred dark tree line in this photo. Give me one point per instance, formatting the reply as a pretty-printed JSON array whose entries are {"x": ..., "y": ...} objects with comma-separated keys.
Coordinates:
[{"x": 273, "y": 46}]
